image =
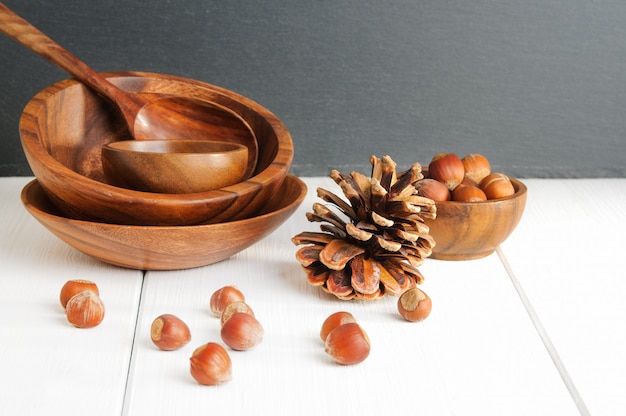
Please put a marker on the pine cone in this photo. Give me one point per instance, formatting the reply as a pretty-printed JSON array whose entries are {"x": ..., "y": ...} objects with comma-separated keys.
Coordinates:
[{"x": 373, "y": 243}]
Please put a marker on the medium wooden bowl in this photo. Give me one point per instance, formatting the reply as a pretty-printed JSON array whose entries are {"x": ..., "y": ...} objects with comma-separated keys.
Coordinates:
[
  {"x": 174, "y": 166},
  {"x": 164, "y": 247},
  {"x": 63, "y": 128},
  {"x": 471, "y": 230}
]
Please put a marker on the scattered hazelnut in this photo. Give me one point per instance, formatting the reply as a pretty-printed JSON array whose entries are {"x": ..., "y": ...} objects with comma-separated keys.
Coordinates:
[
  {"x": 85, "y": 309},
  {"x": 333, "y": 321},
  {"x": 73, "y": 287},
  {"x": 414, "y": 305},
  {"x": 447, "y": 168},
  {"x": 433, "y": 189},
  {"x": 224, "y": 296},
  {"x": 347, "y": 344},
  {"x": 210, "y": 364},
  {"x": 242, "y": 331},
  {"x": 468, "y": 193},
  {"x": 168, "y": 332},
  {"x": 233, "y": 308},
  {"x": 497, "y": 185},
  {"x": 476, "y": 166}
]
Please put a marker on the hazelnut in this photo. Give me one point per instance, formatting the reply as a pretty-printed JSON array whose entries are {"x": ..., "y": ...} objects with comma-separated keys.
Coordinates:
[
  {"x": 85, "y": 309},
  {"x": 221, "y": 298},
  {"x": 433, "y": 189},
  {"x": 467, "y": 181},
  {"x": 168, "y": 332},
  {"x": 476, "y": 166},
  {"x": 233, "y": 308},
  {"x": 72, "y": 287},
  {"x": 447, "y": 168},
  {"x": 414, "y": 305},
  {"x": 210, "y": 364},
  {"x": 347, "y": 344},
  {"x": 241, "y": 331},
  {"x": 333, "y": 321},
  {"x": 468, "y": 193},
  {"x": 497, "y": 185}
]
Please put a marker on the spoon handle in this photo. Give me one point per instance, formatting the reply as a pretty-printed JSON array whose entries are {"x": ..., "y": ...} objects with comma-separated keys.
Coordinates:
[{"x": 18, "y": 29}]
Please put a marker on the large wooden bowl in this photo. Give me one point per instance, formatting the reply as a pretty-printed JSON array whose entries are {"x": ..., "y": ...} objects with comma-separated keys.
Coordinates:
[
  {"x": 164, "y": 247},
  {"x": 471, "y": 230},
  {"x": 64, "y": 126}
]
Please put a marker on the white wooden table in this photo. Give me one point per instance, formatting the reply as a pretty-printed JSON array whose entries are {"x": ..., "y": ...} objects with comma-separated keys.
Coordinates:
[{"x": 538, "y": 328}]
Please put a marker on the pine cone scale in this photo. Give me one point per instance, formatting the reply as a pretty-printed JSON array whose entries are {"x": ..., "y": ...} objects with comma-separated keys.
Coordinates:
[
  {"x": 316, "y": 276},
  {"x": 336, "y": 254},
  {"x": 308, "y": 255},
  {"x": 339, "y": 283},
  {"x": 365, "y": 275}
]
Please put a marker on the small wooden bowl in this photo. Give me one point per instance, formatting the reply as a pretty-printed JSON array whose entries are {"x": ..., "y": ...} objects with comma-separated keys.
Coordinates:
[
  {"x": 174, "y": 166},
  {"x": 164, "y": 247},
  {"x": 472, "y": 230},
  {"x": 64, "y": 127}
]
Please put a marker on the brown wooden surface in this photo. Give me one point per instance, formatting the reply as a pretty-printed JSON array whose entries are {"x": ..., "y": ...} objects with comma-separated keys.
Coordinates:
[
  {"x": 174, "y": 166},
  {"x": 64, "y": 127},
  {"x": 471, "y": 230},
  {"x": 165, "y": 247},
  {"x": 148, "y": 117}
]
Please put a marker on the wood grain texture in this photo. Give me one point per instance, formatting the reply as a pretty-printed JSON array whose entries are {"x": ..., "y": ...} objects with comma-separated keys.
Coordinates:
[
  {"x": 147, "y": 117},
  {"x": 165, "y": 247},
  {"x": 470, "y": 230},
  {"x": 23, "y": 32},
  {"x": 174, "y": 166},
  {"x": 64, "y": 127}
]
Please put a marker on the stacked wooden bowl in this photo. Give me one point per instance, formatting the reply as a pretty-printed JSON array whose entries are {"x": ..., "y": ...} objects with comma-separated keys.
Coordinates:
[{"x": 63, "y": 129}]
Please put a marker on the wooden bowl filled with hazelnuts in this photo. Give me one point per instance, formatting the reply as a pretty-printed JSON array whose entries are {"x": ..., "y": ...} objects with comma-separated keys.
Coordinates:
[{"x": 477, "y": 209}]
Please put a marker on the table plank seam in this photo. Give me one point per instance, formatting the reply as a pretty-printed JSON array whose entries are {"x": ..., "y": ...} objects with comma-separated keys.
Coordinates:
[
  {"x": 545, "y": 338},
  {"x": 131, "y": 357}
]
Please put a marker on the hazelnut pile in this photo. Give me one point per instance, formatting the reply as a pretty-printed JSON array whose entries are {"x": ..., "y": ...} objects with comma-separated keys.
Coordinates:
[
  {"x": 344, "y": 339},
  {"x": 240, "y": 329},
  {"x": 210, "y": 364},
  {"x": 82, "y": 303},
  {"x": 467, "y": 179}
]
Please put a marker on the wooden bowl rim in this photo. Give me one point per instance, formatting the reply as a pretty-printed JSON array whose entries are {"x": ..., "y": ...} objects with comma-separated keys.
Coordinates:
[
  {"x": 278, "y": 166},
  {"x": 35, "y": 186},
  {"x": 213, "y": 147}
]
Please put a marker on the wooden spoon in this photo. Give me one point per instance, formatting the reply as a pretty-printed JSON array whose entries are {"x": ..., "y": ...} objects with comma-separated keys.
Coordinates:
[{"x": 148, "y": 116}]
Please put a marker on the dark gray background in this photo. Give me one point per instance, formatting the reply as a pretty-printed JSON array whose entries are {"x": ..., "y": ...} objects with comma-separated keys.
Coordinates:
[{"x": 538, "y": 86}]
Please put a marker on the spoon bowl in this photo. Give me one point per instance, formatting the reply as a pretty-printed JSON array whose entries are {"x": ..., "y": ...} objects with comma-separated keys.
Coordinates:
[
  {"x": 147, "y": 117},
  {"x": 65, "y": 125},
  {"x": 202, "y": 119},
  {"x": 174, "y": 166}
]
